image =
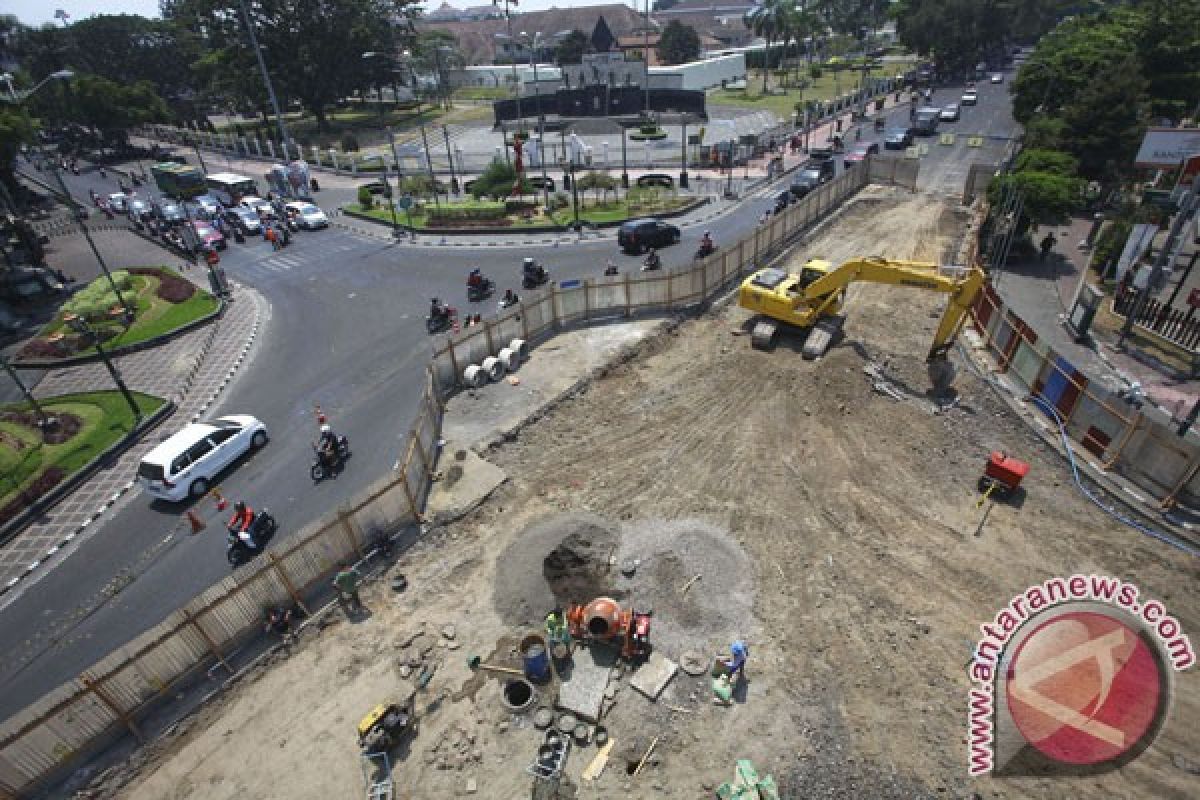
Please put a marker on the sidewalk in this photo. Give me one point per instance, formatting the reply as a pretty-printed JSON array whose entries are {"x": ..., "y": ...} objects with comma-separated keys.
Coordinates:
[
  {"x": 1041, "y": 293},
  {"x": 191, "y": 370}
]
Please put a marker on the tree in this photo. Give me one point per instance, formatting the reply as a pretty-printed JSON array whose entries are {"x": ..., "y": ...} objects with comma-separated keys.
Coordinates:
[
  {"x": 111, "y": 108},
  {"x": 678, "y": 43},
  {"x": 767, "y": 19},
  {"x": 16, "y": 129},
  {"x": 571, "y": 49},
  {"x": 1105, "y": 121},
  {"x": 313, "y": 47},
  {"x": 598, "y": 182},
  {"x": 496, "y": 182}
]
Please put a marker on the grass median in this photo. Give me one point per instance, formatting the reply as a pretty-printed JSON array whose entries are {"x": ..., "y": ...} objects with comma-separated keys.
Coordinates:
[
  {"x": 33, "y": 460},
  {"x": 784, "y": 94}
]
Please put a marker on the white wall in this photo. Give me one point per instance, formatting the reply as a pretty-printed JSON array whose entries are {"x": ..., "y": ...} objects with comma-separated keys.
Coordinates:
[{"x": 703, "y": 74}]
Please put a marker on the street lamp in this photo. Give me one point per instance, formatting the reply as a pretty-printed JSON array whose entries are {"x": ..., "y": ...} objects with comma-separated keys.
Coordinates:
[
  {"x": 81, "y": 326},
  {"x": 23, "y": 95},
  {"x": 508, "y": 4},
  {"x": 537, "y": 88},
  {"x": 262, "y": 67},
  {"x": 569, "y": 164}
]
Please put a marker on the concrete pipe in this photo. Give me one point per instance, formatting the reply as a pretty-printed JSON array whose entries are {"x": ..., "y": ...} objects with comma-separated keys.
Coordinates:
[
  {"x": 494, "y": 368},
  {"x": 518, "y": 695},
  {"x": 475, "y": 377},
  {"x": 520, "y": 347},
  {"x": 511, "y": 359}
]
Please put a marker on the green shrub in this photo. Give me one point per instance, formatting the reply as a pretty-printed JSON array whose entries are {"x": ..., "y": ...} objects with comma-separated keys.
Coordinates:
[
  {"x": 815, "y": 71},
  {"x": 559, "y": 200},
  {"x": 365, "y": 198},
  {"x": 481, "y": 211},
  {"x": 349, "y": 143},
  {"x": 93, "y": 301}
]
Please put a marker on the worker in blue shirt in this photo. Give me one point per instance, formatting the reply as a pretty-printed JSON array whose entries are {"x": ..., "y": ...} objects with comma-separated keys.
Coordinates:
[{"x": 737, "y": 664}]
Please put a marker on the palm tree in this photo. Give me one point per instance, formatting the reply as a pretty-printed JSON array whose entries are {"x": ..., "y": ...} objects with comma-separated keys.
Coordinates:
[
  {"x": 767, "y": 20},
  {"x": 799, "y": 23}
]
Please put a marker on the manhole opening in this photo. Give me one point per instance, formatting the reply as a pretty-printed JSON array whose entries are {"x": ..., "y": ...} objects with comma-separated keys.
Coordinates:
[{"x": 518, "y": 693}]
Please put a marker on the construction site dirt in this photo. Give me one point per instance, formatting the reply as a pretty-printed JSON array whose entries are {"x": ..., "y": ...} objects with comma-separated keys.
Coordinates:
[{"x": 739, "y": 494}]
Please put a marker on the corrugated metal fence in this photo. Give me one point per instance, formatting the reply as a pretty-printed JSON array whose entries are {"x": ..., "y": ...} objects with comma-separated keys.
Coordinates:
[
  {"x": 1115, "y": 436},
  {"x": 103, "y": 703}
]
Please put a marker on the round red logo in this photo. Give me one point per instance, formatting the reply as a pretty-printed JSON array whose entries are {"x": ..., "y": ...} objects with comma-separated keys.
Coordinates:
[{"x": 1084, "y": 688}]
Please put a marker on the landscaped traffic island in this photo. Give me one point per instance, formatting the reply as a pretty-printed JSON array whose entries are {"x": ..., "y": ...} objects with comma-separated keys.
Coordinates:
[
  {"x": 162, "y": 301},
  {"x": 39, "y": 453}
]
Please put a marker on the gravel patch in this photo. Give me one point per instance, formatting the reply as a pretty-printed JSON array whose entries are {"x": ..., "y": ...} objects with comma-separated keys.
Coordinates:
[{"x": 715, "y": 610}]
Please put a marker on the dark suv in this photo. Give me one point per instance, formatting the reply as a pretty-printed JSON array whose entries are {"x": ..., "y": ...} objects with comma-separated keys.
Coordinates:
[
  {"x": 636, "y": 235},
  {"x": 812, "y": 175}
]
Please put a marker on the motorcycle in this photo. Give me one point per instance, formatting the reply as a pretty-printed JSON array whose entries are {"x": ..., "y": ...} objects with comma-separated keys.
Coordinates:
[
  {"x": 705, "y": 252},
  {"x": 651, "y": 262},
  {"x": 262, "y": 529},
  {"x": 441, "y": 322},
  {"x": 320, "y": 470},
  {"x": 481, "y": 291},
  {"x": 531, "y": 278}
]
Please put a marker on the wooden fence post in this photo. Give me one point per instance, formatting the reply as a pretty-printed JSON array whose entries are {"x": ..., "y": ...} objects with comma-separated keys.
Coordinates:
[
  {"x": 587, "y": 300},
  {"x": 1169, "y": 501},
  {"x": 416, "y": 440},
  {"x": 93, "y": 686},
  {"x": 525, "y": 326},
  {"x": 487, "y": 336},
  {"x": 212, "y": 646},
  {"x": 287, "y": 582},
  {"x": 348, "y": 529},
  {"x": 628, "y": 298},
  {"x": 453, "y": 360},
  {"x": 1128, "y": 434}
]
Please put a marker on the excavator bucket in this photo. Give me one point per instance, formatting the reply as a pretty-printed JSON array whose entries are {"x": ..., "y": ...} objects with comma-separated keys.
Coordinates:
[{"x": 941, "y": 375}]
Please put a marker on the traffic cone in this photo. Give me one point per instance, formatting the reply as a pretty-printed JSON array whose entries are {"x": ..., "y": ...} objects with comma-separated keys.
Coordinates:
[
  {"x": 195, "y": 521},
  {"x": 222, "y": 503},
  {"x": 320, "y": 416}
]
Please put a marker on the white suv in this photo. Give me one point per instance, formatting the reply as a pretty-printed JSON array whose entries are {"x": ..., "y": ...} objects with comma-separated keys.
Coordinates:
[{"x": 186, "y": 464}]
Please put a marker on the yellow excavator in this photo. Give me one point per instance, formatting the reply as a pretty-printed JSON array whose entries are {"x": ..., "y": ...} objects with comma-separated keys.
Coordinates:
[{"x": 813, "y": 299}]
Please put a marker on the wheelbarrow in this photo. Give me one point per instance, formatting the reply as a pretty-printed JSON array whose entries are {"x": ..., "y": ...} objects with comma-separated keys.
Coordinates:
[{"x": 1002, "y": 475}]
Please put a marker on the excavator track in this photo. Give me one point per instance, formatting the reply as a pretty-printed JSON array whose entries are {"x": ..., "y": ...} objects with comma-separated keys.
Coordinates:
[
  {"x": 820, "y": 336},
  {"x": 764, "y": 333}
]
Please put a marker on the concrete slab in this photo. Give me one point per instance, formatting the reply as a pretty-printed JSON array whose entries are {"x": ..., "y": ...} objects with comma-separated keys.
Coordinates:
[
  {"x": 466, "y": 481},
  {"x": 583, "y": 683},
  {"x": 654, "y": 675}
]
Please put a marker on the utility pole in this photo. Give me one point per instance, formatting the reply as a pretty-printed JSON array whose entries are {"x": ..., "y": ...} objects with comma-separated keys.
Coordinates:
[
  {"x": 262, "y": 67},
  {"x": 1160, "y": 262}
]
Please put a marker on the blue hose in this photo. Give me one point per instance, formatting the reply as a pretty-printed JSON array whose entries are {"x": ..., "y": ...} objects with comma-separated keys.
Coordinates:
[{"x": 1110, "y": 510}]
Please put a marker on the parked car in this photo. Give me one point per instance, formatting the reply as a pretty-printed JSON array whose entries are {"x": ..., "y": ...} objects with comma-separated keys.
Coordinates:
[
  {"x": 139, "y": 209},
  {"x": 169, "y": 212},
  {"x": 861, "y": 151},
  {"x": 118, "y": 202},
  {"x": 656, "y": 179},
  {"x": 307, "y": 215},
  {"x": 209, "y": 235},
  {"x": 188, "y": 463},
  {"x": 997, "y": 77},
  {"x": 243, "y": 219},
  {"x": 813, "y": 175},
  {"x": 950, "y": 113},
  {"x": 970, "y": 97},
  {"x": 539, "y": 183},
  {"x": 376, "y": 187},
  {"x": 897, "y": 139},
  {"x": 208, "y": 204},
  {"x": 637, "y": 235}
]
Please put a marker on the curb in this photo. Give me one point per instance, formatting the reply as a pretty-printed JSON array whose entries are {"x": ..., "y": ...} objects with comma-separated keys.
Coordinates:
[
  {"x": 48, "y": 501},
  {"x": 172, "y": 404},
  {"x": 561, "y": 229}
]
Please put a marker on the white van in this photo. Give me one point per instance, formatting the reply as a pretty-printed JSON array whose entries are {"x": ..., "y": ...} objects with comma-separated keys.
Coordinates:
[{"x": 186, "y": 464}]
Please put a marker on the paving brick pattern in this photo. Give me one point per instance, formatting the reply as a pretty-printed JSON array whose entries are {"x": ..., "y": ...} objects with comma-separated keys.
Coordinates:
[{"x": 191, "y": 370}]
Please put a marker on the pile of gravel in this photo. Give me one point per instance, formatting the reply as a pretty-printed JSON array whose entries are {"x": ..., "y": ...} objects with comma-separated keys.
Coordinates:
[
  {"x": 564, "y": 560},
  {"x": 716, "y": 609},
  {"x": 555, "y": 561}
]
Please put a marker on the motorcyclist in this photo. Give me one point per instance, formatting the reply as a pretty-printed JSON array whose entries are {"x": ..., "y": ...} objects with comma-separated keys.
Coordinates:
[
  {"x": 706, "y": 244},
  {"x": 653, "y": 261},
  {"x": 475, "y": 280},
  {"x": 610, "y": 269},
  {"x": 510, "y": 299},
  {"x": 532, "y": 270},
  {"x": 327, "y": 446},
  {"x": 242, "y": 524},
  {"x": 437, "y": 311}
]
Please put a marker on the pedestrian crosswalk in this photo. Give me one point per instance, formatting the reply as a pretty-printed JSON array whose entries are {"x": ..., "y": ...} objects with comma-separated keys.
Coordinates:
[{"x": 307, "y": 251}]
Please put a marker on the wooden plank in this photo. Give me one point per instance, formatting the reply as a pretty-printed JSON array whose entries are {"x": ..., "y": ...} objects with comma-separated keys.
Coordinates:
[{"x": 94, "y": 686}]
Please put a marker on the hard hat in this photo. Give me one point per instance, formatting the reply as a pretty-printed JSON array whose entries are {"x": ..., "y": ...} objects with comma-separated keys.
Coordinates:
[
  {"x": 738, "y": 648},
  {"x": 326, "y": 429},
  {"x": 529, "y": 262}
]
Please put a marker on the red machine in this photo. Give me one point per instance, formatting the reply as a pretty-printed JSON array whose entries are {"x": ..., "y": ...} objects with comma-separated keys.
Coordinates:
[
  {"x": 1002, "y": 474},
  {"x": 603, "y": 620}
]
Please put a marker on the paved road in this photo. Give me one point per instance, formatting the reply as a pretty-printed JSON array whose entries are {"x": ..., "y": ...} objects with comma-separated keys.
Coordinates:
[{"x": 345, "y": 330}]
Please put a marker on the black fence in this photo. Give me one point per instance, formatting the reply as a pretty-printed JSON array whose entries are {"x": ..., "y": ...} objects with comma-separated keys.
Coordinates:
[
  {"x": 1180, "y": 327},
  {"x": 602, "y": 101}
]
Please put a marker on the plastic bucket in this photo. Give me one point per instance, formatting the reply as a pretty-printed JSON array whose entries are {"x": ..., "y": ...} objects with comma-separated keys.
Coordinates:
[{"x": 536, "y": 659}]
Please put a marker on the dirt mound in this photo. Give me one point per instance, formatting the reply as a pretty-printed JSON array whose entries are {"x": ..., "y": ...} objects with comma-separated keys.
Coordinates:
[
  {"x": 555, "y": 561},
  {"x": 577, "y": 571}
]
